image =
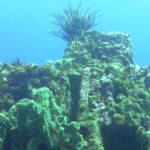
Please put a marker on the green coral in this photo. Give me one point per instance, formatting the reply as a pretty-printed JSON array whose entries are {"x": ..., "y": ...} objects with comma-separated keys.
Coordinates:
[
  {"x": 28, "y": 118},
  {"x": 42, "y": 122}
]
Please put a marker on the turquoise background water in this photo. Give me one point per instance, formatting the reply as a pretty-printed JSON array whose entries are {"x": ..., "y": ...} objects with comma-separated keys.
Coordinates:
[{"x": 25, "y": 25}]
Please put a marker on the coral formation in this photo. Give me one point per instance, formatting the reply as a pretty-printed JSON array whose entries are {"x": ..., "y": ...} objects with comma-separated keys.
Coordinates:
[{"x": 94, "y": 98}]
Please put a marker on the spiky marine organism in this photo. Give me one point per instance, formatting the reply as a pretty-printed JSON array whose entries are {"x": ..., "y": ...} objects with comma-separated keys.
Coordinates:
[{"x": 72, "y": 21}]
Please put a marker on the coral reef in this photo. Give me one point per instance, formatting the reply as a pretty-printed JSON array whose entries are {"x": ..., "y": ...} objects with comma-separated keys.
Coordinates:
[{"x": 94, "y": 98}]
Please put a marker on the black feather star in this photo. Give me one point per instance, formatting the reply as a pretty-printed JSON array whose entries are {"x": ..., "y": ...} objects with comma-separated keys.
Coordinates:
[{"x": 72, "y": 21}]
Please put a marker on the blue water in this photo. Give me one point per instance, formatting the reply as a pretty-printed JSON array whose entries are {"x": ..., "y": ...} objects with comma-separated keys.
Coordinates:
[{"x": 25, "y": 24}]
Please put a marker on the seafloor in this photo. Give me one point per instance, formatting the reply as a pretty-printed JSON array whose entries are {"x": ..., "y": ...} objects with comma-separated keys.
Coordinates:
[{"x": 94, "y": 98}]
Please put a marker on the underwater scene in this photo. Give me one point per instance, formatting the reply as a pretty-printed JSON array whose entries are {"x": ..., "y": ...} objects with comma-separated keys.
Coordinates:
[{"x": 74, "y": 75}]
